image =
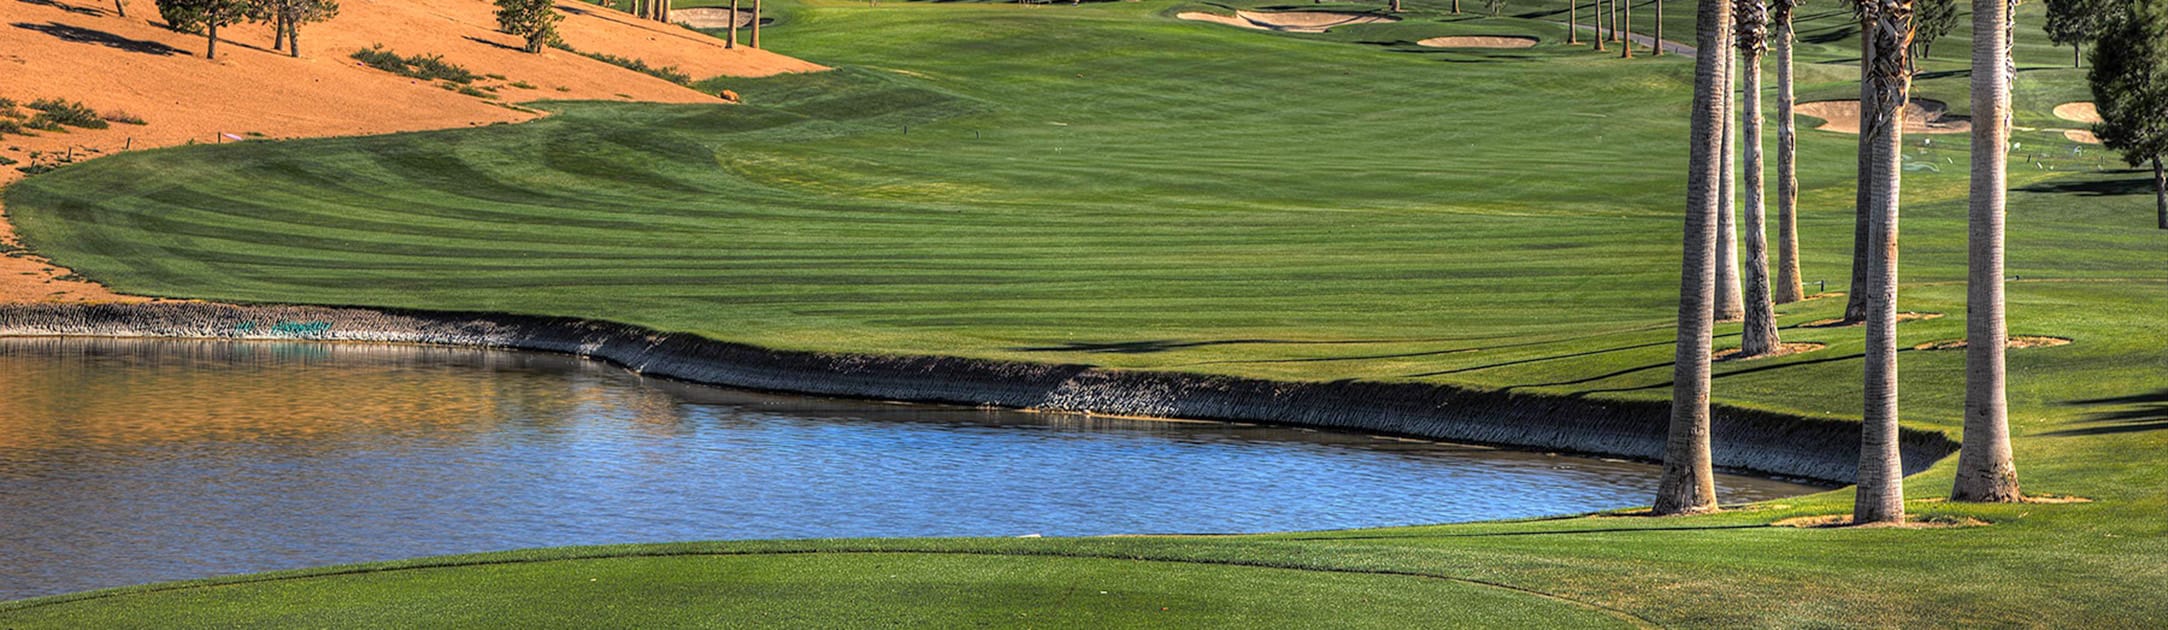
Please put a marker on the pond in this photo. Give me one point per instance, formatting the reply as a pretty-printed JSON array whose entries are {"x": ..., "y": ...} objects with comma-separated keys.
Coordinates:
[{"x": 130, "y": 461}]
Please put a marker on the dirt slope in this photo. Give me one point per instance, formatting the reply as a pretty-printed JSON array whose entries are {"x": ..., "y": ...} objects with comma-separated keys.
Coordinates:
[{"x": 82, "y": 50}]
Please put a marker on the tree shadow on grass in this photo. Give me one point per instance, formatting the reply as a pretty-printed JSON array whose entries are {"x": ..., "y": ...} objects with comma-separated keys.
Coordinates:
[
  {"x": 2095, "y": 187},
  {"x": 472, "y": 38},
  {"x": 92, "y": 36},
  {"x": 2142, "y": 412},
  {"x": 64, "y": 7}
]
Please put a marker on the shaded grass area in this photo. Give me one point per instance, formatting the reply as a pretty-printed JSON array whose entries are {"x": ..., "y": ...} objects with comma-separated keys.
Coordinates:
[{"x": 1103, "y": 184}]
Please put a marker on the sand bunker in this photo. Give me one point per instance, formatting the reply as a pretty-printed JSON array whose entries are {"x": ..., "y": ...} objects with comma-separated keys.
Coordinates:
[
  {"x": 2081, "y": 111},
  {"x": 715, "y": 18},
  {"x": 1483, "y": 41},
  {"x": 1921, "y": 116},
  {"x": 2081, "y": 136},
  {"x": 1288, "y": 21}
]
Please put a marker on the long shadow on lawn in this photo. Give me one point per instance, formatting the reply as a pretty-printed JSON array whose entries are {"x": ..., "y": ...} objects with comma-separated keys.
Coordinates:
[
  {"x": 1550, "y": 532},
  {"x": 2149, "y": 414},
  {"x": 2095, "y": 187},
  {"x": 82, "y": 35}
]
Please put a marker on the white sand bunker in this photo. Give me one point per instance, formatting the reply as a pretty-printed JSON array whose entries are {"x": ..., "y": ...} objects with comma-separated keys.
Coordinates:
[
  {"x": 1921, "y": 116},
  {"x": 2081, "y": 111},
  {"x": 1288, "y": 21},
  {"x": 2080, "y": 136},
  {"x": 715, "y": 18},
  {"x": 1482, "y": 41}
]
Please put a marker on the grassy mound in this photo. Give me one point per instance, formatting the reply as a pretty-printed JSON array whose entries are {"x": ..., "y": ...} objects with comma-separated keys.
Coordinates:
[{"x": 1106, "y": 184}]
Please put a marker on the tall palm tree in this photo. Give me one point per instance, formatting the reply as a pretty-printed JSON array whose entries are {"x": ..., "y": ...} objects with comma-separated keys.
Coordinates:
[
  {"x": 1790, "y": 287},
  {"x": 1759, "y": 336},
  {"x": 1855, "y": 301},
  {"x": 1658, "y": 49},
  {"x": 1573, "y": 21},
  {"x": 1601, "y": 36},
  {"x": 756, "y": 22},
  {"x": 1730, "y": 305},
  {"x": 1626, "y": 26},
  {"x": 732, "y": 41},
  {"x": 1880, "y": 497},
  {"x": 1985, "y": 471},
  {"x": 1688, "y": 485}
]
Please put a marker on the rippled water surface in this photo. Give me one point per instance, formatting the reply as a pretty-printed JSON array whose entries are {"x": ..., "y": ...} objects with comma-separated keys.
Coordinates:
[{"x": 132, "y": 461}]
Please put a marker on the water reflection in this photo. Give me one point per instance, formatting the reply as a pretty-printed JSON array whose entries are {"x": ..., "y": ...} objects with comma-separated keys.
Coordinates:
[{"x": 130, "y": 461}]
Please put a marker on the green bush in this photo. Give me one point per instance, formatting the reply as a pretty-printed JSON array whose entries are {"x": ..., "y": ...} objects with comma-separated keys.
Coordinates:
[
  {"x": 424, "y": 67},
  {"x": 53, "y": 112},
  {"x": 666, "y": 73}
]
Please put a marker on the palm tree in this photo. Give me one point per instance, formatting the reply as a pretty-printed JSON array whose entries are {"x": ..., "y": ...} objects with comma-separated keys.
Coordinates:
[
  {"x": 1626, "y": 22},
  {"x": 1790, "y": 287},
  {"x": 1658, "y": 49},
  {"x": 756, "y": 21},
  {"x": 1985, "y": 471},
  {"x": 1573, "y": 21},
  {"x": 1752, "y": 37},
  {"x": 1730, "y": 305},
  {"x": 1880, "y": 497},
  {"x": 1688, "y": 485},
  {"x": 1601, "y": 36},
  {"x": 1855, "y": 301},
  {"x": 732, "y": 41}
]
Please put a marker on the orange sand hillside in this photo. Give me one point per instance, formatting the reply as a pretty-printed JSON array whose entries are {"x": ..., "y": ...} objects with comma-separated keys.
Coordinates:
[{"x": 81, "y": 50}]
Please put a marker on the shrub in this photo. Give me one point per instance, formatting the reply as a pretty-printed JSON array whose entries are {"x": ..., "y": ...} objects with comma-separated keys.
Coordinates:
[
  {"x": 11, "y": 126},
  {"x": 666, "y": 73},
  {"x": 470, "y": 90},
  {"x": 523, "y": 85},
  {"x": 53, "y": 112},
  {"x": 424, "y": 67},
  {"x": 123, "y": 117}
]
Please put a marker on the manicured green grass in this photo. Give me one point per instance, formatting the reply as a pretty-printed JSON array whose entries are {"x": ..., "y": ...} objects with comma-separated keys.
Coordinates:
[
  {"x": 1105, "y": 184},
  {"x": 869, "y": 589}
]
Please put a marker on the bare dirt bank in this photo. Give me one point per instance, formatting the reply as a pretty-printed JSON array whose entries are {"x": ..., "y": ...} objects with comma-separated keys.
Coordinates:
[{"x": 1812, "y": 448}]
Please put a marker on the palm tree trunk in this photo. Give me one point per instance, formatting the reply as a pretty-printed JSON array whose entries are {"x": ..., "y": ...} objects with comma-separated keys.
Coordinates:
[
  {"x": 1855, "y": 302},
  {"x": 1759, "y": 336},
  {"x": 1730, "y": 305},
  {"x": 1790, "y": 287},
  {"x": 1985, "y": 471},
  {"x": 1688, "y": 485},
  {"x": 1573, "y": 21},
  {"x": 1626, "y": 25},
  {"x": 1880, "y": 497},
  {"x": 1658, "y": 49},
  {"x": 2077, "y": 55},
  {"x": 1456, "y": 7},
  {"x": 732, "y": 41},
  {"x": 1601, "y": 36},
  {"x": 1394, "y": 8},
  {"x": 1618, "y": 11},
  {"x": 756, "y": 23}
]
